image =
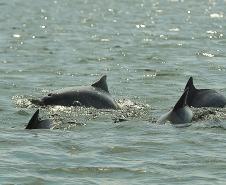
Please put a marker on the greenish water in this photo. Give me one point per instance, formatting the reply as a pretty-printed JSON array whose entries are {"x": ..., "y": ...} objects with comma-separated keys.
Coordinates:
[{"x": 148, "y": 49}]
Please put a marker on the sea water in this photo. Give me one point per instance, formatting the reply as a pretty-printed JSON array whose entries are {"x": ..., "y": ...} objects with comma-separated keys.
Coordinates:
[{"x": 148, "y": 49}]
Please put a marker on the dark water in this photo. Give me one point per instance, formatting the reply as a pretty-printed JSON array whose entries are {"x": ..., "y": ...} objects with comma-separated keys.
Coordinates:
[{"x": 148, "y": 49}]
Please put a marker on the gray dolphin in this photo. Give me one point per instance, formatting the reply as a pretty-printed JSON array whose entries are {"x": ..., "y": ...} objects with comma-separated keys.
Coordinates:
[
  {"x": 203, "y": 97},
  {"x": 96, "y": 95},
  {"x": 180, "y": 114},
  {"x": 36, "y": 123}
]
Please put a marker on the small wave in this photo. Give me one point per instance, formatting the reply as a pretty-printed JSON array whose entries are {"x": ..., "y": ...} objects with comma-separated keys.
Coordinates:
[
  {"x": 22, "y": 101},
  {"x": 182, "y": 125},
  {"x": 126, "y": 103},
  {"x": 210, "y": 54},
  {"x": 70, "y": 117},
  {"x": 217, "y": 15},
  {"x": 131, "y": 110},
  {"x": 210, "y": 125},
  {"x": 94, "y": 170},
  {"x": 119, "y": 149},
  {"x": 206, "y": 114}
]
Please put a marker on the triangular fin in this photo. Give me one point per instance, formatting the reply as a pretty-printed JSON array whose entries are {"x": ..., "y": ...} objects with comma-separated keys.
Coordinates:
[
  {"x": 182, "y": 101},
  {"x": 102, "y": 84},
  {"x": 33, "y": 121},
  {"x": 190, "y": 85}
]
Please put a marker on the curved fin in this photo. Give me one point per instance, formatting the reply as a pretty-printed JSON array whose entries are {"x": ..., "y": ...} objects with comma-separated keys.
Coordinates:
[
  {"x": 102, "y": 84},
  {"x": 182, "y": 101},
  {"x": 190, "y": 85},
  {"x": 33, "y": 121}
]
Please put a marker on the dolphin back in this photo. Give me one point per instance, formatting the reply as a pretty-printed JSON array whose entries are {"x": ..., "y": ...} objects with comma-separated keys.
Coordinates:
[
  {"x": 95, "y": 95},
  {"x": 182, "y": 101},
  {"x": 190, "y": 85},
  {"x": 36, "y": 123},
  {"x": 101, "y": 83},
  {"x": 208, "y": 98},
  {"x": 33, "y": 121},
  {"x": 180, "y": 113},
  {"x": 203, "y": 97},
  {"x": 181, "y": 116}
]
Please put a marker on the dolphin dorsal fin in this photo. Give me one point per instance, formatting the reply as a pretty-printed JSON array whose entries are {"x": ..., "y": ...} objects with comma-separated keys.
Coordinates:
[
  {"x": 190, "y": 85},
  {"x": 101, "y": 83},
  {"x": 33, "y": 121},
  {"x": 182, "y": 101}
]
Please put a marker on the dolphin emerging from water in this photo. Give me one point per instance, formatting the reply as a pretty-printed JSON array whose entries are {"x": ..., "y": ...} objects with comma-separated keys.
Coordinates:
[
  {"x": 180, "y": 114},
  {"x": 96, "y": 95},
  {"x": 36, "y": 123},
  {"x": 203, "y": 97}
]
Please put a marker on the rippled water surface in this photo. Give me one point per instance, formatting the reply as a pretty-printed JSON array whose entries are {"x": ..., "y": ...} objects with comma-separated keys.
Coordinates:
[{"x": 148, "y": 49}]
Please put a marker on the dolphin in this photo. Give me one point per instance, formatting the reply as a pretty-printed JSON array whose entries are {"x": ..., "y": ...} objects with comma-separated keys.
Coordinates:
[
  {"x": 96, "y": 95},
  {"x": 36, "y": 123},
  {"x": 203, "y": 97},
  {"x": 180, "y": 114}
]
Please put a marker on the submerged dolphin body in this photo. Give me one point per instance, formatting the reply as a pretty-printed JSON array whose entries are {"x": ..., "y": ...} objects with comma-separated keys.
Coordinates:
[
  {"x": 180, "y": 114},
  {"x": 96, "y": 95},
  {"x": 203, "y": 97},
  {"x": 36, "y": 123}
]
